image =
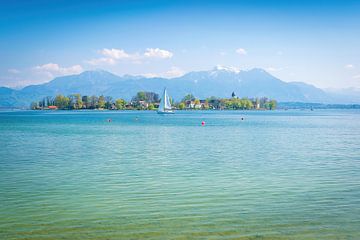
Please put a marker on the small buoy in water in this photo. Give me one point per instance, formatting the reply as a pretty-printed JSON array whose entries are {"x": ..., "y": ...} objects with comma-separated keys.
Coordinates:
[
  {"x": 242, "y": 118},
  {"x": 109, "y": 120},
  {"x": 202, "y": 123}
]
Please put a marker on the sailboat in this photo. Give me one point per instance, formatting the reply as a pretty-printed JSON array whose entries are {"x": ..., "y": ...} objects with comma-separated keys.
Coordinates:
[{"x": 165, "y": 106}]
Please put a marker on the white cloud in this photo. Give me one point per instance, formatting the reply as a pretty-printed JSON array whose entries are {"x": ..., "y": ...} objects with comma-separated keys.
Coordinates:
[
  {"x": 54, "y": 70},
  {"x": 112, "y": 56},
  {"x": 13, "y": 71},
  {"x": 349, "y": 66},
  {"x": 241, "y": 51},
  {"x": 157, "y": 53},
  {"x": 115, "y": 53}
]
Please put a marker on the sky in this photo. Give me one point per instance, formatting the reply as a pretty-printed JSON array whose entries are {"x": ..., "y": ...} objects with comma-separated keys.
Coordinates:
[{"x": 316, "y": 42}]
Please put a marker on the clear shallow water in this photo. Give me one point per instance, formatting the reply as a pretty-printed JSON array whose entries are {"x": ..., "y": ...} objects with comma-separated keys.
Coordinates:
[{"x": 275, "y": 175}]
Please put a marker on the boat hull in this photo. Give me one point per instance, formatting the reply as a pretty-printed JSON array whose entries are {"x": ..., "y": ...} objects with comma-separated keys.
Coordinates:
[{"x": 165, "y": 112}]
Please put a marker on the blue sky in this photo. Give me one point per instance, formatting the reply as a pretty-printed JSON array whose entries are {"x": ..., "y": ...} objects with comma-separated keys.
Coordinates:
[{"x": 316, "y": 42}]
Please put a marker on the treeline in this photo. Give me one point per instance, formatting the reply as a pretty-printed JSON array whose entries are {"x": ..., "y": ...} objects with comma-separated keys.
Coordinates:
[
  {"x": 76, "y": 101},
  {"x": 150, "y": 101},
  {"x": 233, "y": 103}
]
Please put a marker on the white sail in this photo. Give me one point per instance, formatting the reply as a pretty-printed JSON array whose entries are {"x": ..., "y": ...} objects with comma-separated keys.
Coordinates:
[
  {"x": 162, "y": 105},
  {"x": 167, "y": 101},
  {"x": 165, "y": 105}
]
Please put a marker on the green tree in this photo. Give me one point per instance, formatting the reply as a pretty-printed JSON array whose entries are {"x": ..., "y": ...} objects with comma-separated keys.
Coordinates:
[
  {"x": 227, "y": 103},
  {"x": 75, "y": 101},
  {"x": 181, "y": 106},
  {"x": 247, "y": 104},
  {"x": 120, "y": 104},
  {"x": 237, "y": 103},
  {"x": 72, "y": 102},
  {"x": 101, "y": 102},
  {"x": 108, "y": 102},
  {"x": 79, "y": 102},
  {"x": 214, "y": 102},
  {"x": 86, "y": 101},
  {"x": 188, "y": 97},
  {"x": 141, "y": 96},
  {"x": 272, "y": 104},
  {"x": 93, "y": 102},
  {"x": 151, "y": 106},
  {"x": 62, "y": 102},
  {"x": 206, "y": 105},
  {"x": 149, "y": 97}
]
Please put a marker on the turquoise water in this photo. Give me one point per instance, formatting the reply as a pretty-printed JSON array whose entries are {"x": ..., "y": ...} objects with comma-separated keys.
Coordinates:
[{"x": 273, "y": 175}]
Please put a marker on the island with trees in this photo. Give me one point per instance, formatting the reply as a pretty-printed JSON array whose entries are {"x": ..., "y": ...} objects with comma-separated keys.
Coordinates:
[{"x": 150, "y": 101}]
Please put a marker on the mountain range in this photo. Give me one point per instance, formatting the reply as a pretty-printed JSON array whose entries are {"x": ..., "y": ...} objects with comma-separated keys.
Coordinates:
[{"x": 220, "y": 82}]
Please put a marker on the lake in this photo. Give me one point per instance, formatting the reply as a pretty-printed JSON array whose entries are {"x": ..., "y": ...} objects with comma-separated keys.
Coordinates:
[{"x": 273, "y": 175}]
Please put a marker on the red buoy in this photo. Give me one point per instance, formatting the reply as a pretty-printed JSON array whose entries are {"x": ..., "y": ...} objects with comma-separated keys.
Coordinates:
[{"x": 202, "y": 123}]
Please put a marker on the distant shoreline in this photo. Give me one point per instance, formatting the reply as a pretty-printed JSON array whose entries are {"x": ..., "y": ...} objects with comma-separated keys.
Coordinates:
[
  {"x": 280, "y": 108},
  {"x": 302, "y": 105}
]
